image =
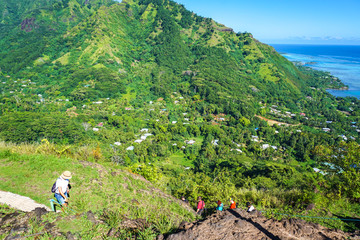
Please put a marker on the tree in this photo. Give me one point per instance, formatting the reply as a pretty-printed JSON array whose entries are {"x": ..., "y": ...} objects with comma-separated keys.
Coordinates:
[
  {"x": 344, "y": 167},
  {"x": 244, "y": 121}
]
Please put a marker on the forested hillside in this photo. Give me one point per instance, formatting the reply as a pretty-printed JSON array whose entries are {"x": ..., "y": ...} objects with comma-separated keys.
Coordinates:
[{"x": 156, "y": 89}]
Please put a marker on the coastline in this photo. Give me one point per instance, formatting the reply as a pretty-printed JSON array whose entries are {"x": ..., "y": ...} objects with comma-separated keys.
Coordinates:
[
  {"x": 339, "y": 89},
  {"x": 340, "y": 61}
]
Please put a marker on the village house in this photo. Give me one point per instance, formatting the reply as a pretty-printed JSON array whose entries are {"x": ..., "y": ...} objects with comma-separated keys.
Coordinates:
[
  {"x": 265, "y": 146},
  {"x": 254, "y": 138},
  {"x": 326, "y": 129},
  {"x": 131, "y": 148},
  {"x": 190, "y": 142},
  {"x": 143, "y": 137},
  {"x": 343, "y": 137},
  {"x": 238, "y": 150}
]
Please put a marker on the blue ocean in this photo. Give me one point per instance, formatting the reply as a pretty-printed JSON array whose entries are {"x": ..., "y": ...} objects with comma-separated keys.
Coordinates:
[{"x": 341, "y": 61}]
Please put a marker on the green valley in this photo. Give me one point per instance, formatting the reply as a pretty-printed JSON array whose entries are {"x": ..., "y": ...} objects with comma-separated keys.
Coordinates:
[{"x": 117, "y": 92}]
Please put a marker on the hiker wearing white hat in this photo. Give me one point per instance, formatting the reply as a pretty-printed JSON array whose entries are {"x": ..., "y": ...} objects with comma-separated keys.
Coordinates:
[{"x": 62, "y": 188}]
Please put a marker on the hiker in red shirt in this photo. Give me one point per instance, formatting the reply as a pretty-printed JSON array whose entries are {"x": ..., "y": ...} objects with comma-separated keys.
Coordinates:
[
  {"x": 200, "y": 206},
  {"x": 232, "y": 204}
]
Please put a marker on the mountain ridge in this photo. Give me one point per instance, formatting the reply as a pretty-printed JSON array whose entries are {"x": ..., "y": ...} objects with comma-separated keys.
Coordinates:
[{"x": 111, "y": 42}]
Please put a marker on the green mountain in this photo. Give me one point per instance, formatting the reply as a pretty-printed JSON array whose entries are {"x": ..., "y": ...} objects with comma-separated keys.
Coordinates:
[
  {"x": 155, "y": 47},
  {"x": 153, "y": 88}
]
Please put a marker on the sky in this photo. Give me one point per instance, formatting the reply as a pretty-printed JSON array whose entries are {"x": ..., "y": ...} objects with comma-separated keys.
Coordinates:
[{"x": 286, "y": 21}]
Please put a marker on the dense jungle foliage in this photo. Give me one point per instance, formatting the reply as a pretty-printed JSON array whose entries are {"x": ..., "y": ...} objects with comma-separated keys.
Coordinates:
[{"x": 178, "y": 98}]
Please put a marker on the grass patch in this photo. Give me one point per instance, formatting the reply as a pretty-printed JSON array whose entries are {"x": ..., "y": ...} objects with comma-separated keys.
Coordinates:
[
  {"x": 180, "y": 159},
  {"x": 95, "y": 187}
]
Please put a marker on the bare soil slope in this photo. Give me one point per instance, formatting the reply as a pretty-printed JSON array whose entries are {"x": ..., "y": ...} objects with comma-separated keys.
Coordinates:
[{"x": 238, "y": 224}]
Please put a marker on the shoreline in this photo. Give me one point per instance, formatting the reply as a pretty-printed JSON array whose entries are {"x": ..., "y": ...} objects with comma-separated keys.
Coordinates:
[
  {"x": 339, "y": 89},
  {"x": 341, "y": 61}
]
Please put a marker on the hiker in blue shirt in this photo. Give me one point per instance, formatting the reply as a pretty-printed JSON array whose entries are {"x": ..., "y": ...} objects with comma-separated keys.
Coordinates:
[
  {"x": 220, "y": 206},
  {"x": 62, "y": 188}
]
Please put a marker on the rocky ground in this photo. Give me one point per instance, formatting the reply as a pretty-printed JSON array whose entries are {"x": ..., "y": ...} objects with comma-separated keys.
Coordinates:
[
  {"x": 227, "y": 225},
  {"x": 15, "y": 225},
  {"x": 238, "y": 224}
]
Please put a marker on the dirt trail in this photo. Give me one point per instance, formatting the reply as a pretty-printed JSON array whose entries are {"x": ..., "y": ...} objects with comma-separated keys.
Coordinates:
[
  {"x": 238, "y": 224},
  {"x": 22, "y": 203},
  {"x": 273, "y": 122}
]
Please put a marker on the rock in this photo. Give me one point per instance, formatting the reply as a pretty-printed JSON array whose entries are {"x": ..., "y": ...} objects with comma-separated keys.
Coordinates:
[
  {"x": 185, "y": 225},
  {"x": 160, "y": 237},
  {"x": 19, "y": 229},
  {"x": 307, "y": 230},
  {"x": 134, "y": 224},
  {"x": 39, "y": 212},
  {"x": 8, "y": 218},
  {"x": 70, "y": 236}
]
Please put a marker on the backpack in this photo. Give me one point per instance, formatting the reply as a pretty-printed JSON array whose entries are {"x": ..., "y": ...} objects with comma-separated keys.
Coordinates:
[{"x": 53, "y": 188}]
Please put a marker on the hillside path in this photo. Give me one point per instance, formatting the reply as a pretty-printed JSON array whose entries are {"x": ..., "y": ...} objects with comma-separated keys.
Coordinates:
[
  {"x": 234, "y": 224},
  {"x": 22, "y": 203}
]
